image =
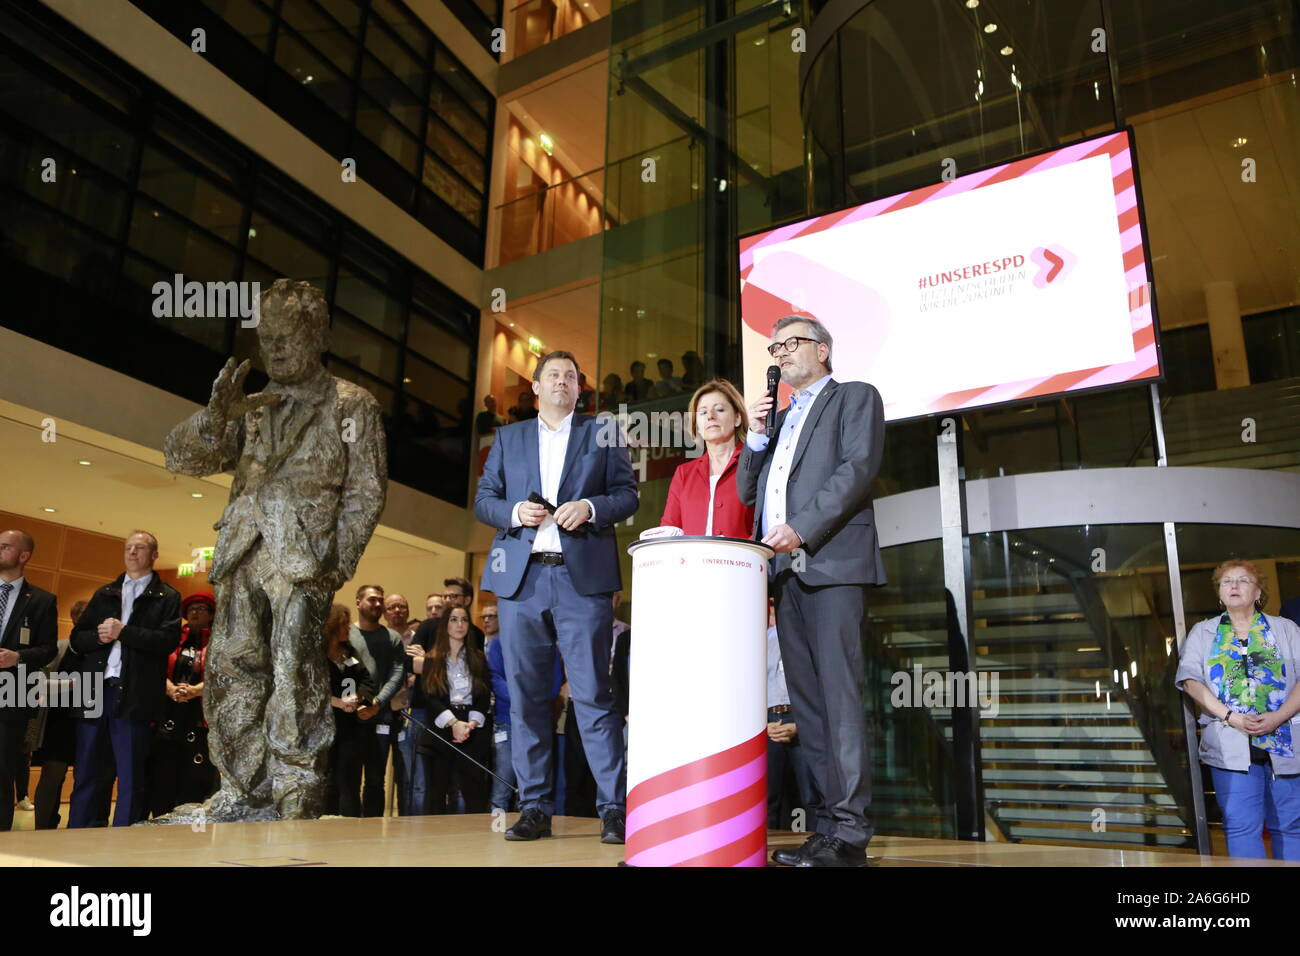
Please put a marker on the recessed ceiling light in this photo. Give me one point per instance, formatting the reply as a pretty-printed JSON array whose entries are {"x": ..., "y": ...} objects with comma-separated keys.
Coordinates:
[
  {"x": 1007, "y": 51},
  {"x": 83, "y": 462},
  {"x": 50, "y": 510},
  {"x": 972, "y": 3},
  {"x": 196, "y": 494},
  {"x": 990, "y": 28}
]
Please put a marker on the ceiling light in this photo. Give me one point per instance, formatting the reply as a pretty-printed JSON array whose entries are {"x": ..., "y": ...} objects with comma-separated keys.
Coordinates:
[
  {"x": 50, "y": 510},
  {"x": 196, "y": 494},
  {"x": 1239, "y": 142},
  {"x": 760, "y": 41},
  {"x": 1007, "y": 51},
  {"x": 83, "y": 462},
  {"x": 548, "y": 144},
  {"x": 972, "y": 4},
  {"x": 990, "y": 28}
]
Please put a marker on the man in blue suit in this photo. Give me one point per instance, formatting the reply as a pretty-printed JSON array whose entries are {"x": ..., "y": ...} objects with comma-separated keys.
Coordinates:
[{"x": 553, "y": 567}]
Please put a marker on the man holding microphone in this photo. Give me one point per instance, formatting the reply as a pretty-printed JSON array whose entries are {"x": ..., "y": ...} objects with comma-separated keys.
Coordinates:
[{"x": 809, "y": 477}]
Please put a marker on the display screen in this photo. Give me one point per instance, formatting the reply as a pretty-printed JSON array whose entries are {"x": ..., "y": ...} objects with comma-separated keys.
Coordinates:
[{"x": 1022, "y": 281}]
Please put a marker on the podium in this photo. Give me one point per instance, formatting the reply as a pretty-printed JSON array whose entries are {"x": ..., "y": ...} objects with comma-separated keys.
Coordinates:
[{"x": 697, "y": 727}]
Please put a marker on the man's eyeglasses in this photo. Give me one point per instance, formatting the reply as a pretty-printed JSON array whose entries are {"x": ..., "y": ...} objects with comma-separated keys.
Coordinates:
[
  {"x": 1232, "y": 582},
  {"x": 489, "y": 616},
  {"x": 789, "y": 345}
]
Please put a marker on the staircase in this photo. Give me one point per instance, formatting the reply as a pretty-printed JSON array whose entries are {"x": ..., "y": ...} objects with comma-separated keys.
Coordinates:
[
  {"x": 1205, "y": 429},
  {"x": 1059, "y": 753}
]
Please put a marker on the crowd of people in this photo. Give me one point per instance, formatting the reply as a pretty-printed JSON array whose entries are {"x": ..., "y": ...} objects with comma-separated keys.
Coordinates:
[
  {"x": 530, "y": 711},
  {"x": 431, "y": 694},
  {"x": 613, "y": 393}
]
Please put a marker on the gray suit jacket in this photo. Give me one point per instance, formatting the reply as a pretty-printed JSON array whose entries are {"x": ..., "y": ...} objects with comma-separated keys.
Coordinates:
[{"x": 828, "y": 495}]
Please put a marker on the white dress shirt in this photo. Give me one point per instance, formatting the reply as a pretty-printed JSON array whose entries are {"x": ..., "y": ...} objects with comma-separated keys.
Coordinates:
[
  {"x": 132, "y": 588},
  {"x": 13, "y": 599},
  {"x": 778, "y": 475},
  {"x": 552, "y": 445}
]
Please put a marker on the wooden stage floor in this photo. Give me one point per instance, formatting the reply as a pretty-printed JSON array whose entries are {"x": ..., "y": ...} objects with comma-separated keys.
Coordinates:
[{"x": 471, "y": 841}]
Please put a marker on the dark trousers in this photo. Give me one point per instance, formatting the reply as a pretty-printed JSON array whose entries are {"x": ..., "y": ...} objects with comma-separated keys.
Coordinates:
[
  {"x": 789, "y": 783},
  {"x": 127, "y": 741},
  {"x": 820, "y": 630},
  {"x": 545, "y": 615},
  {"x": 448, "y": 772},
  {"x": 343, "y": 783},
  {"x": 49, "y": 793},
  {"x": 579, "y": 784},
  {"x": 374, "y": 766},
  {"x": 179, "y": 771},
  {"x": 13, "y": 762}
]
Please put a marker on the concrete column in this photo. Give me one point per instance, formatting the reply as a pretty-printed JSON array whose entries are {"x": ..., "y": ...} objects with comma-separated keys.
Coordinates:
[{"x": 1226, "y": 338}]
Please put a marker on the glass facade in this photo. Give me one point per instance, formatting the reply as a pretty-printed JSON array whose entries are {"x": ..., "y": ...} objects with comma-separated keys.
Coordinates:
[
  {"x": 145, "y": 189},
  {"x": 720, "y": 126},
  {"x": 364, "y": 79}
]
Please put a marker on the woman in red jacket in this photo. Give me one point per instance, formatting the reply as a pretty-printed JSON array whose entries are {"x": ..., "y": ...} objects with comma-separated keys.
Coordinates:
[{"x": 702, "y": 498}]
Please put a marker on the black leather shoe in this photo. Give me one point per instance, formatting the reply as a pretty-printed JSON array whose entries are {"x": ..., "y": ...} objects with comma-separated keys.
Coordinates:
[
  {"x": 613, "y": 826},
  {"x": 794, "y": 856},
  {"x": 832, "y": 851},
  {"x": 532, "y": 823}
]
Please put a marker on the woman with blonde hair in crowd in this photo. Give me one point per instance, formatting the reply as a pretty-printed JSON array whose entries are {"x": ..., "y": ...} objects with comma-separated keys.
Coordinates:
[{"x": 1241, "y": 668}]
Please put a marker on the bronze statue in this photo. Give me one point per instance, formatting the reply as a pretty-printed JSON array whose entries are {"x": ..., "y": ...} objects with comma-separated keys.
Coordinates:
[{"x": 311, "y": 472}]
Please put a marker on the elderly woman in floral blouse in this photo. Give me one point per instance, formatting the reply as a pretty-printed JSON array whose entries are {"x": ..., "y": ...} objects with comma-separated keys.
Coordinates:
[{"x": 1241, "y": 668}]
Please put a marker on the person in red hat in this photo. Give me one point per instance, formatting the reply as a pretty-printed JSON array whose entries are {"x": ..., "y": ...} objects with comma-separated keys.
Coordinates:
[{"x": 180, "y": 771}]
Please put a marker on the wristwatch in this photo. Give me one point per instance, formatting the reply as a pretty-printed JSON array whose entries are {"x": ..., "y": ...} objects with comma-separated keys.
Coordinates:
[{"x": 1225, "y": 718}]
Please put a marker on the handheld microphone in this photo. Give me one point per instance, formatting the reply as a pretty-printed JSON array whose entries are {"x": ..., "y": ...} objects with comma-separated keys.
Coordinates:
[{"x": 773, "y": 380}]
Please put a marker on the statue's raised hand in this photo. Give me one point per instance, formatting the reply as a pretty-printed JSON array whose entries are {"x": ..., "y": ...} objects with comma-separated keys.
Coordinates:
[{"x": 228, "y": 401}]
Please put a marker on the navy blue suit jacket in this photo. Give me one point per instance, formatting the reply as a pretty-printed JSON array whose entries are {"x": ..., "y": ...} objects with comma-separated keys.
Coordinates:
[{"x": 596, "y": 470}]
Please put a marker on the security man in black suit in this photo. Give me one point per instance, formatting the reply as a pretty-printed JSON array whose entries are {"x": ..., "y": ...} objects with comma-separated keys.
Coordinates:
[
  {"x": 126, "y": 634},
  {"x": 29, "y": 640}
]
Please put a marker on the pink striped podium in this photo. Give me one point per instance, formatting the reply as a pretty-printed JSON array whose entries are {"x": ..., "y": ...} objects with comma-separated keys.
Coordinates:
[{"x": 697, "y": 784}]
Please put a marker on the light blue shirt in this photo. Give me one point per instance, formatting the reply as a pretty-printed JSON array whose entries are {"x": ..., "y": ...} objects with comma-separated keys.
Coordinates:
[
  {"x": 13, "y": 599},
  {"x": 132, "y": 588},
  {"x": 778, "y": 475},
  {"x": 777, "y": 694}
]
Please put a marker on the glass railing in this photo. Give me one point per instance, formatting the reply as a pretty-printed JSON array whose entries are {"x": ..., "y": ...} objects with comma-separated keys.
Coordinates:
[
  {"x": 537, "y": 22},
  {"x": 552, "y": 217},
  {"x": 660, "y": 180}
]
